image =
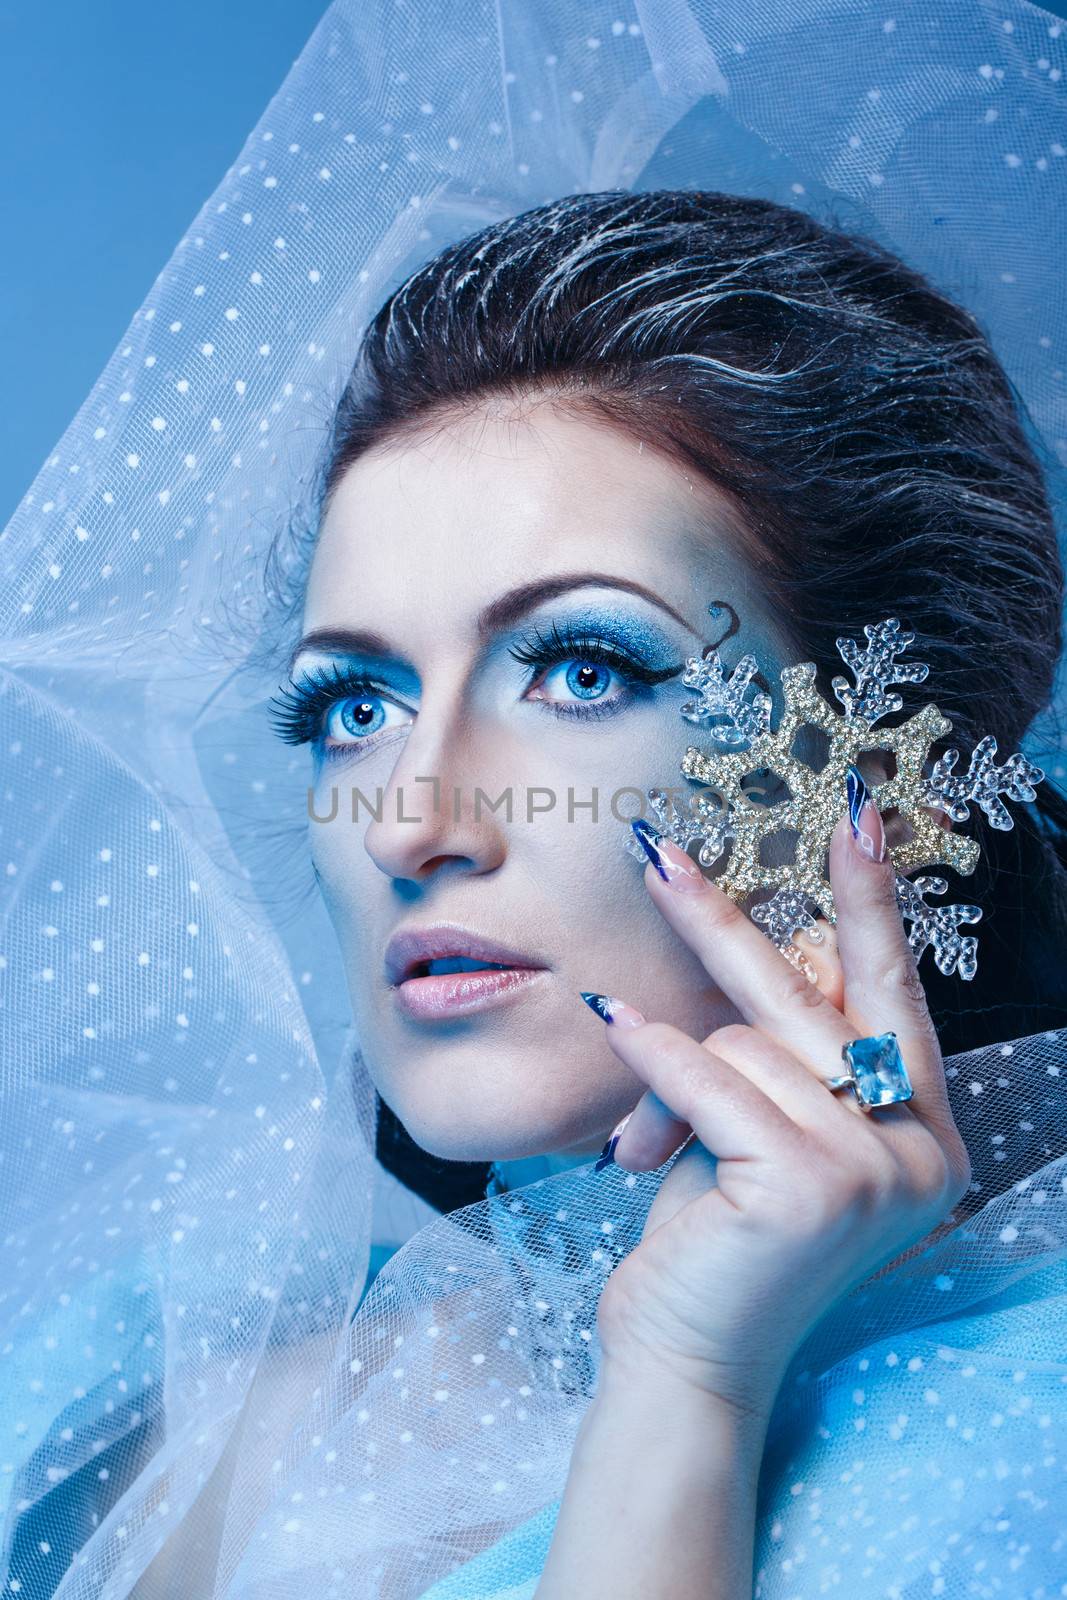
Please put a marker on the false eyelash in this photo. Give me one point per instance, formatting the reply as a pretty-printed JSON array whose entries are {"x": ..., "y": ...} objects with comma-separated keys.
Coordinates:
[
  {"x": 541, "y": 650},
  {"x": 296, "y": 712}
]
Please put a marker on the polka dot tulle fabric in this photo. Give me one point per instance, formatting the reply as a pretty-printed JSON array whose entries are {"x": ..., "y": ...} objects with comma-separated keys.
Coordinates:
[{"x": 197, "y": 1397}]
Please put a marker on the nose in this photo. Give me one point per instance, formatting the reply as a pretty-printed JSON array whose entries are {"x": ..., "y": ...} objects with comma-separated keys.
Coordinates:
[{"x": 436, "y": 811}]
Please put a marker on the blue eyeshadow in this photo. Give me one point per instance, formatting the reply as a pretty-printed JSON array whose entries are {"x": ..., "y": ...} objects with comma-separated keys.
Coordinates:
[{"x": 633, "y": 634}]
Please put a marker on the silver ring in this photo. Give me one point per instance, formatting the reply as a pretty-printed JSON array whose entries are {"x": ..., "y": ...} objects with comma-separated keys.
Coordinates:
[{"x": 874, "y": 1071}]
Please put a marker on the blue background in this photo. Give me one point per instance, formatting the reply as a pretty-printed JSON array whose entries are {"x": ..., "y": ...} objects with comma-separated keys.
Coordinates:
[{"x": 117, "y": 119}]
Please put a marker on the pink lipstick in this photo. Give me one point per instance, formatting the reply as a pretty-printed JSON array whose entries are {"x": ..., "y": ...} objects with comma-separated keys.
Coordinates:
[{"x": 446, "y": 971}]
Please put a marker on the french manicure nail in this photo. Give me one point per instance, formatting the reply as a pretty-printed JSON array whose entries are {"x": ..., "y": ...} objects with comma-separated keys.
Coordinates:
[
  {"x": 863, "y": 816},
  {"x": 669, "y": 859},
  {"x": 607, "y": 1155},
  {"x": 611, "y": 1010}
]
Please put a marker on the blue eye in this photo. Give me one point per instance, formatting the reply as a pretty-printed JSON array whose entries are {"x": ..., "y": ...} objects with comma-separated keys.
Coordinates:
[
  {"x": 335, "y": 710},
  {"x": 586, "y": 680},
  {"x": 338, "y": 710},
  {"x": 579, "y": 674},
  {"x": 348, "y": 721}
]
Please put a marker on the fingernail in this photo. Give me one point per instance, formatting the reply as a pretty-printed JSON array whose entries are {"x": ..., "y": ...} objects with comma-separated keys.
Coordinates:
[
  {"x": 611, "y": 1010},
  {"x": 669, "y": 859},
  {"x": 607, "y": 1155},
  {"x": 863, "y": 816}
]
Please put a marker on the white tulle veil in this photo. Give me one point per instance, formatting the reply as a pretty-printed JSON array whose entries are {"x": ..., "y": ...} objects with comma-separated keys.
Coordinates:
[{"x": 190, "y": 1191}]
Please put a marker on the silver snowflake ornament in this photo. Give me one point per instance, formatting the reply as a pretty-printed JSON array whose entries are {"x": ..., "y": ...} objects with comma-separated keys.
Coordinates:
[{"x": 734, "y": 817}]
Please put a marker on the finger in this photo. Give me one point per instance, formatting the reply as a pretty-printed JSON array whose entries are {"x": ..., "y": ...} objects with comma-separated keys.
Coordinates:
[
  {"x": 729, "y": 1114},
  {"x": 882, "y": 987},
  {"x": 817, "y": 957},
  {"x": 652, "y": 1132},
  {"x": 811, "y": 1104},
  {"x": 747, "y": 966},
  {"x": 693, "y": 1173}
]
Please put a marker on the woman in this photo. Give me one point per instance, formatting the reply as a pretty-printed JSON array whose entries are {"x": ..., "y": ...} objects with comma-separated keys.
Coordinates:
[
  {"x": 569, "y": 433},
  {"x": 591, "y": 402}
]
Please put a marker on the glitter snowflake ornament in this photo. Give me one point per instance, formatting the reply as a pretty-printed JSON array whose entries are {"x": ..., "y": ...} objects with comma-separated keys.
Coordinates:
[{"x": 771, "y": 803}]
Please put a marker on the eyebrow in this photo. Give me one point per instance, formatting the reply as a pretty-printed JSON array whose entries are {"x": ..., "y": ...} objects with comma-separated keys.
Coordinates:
[{"x": 498, "y": 614}]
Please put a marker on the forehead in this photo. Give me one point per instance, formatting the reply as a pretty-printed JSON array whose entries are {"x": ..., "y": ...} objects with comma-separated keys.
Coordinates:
[{"x": 440, "y": 523}]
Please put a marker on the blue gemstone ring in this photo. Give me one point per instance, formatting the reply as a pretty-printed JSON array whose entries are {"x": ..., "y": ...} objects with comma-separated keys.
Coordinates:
[{"x": 875, "y": 1071}]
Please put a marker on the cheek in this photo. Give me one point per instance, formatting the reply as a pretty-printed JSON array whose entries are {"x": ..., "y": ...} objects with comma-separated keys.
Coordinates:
[
  {"x": 613, "y": 940},
  {"x": 618, "y": 760},
  {"x": 341, "y": 866}
]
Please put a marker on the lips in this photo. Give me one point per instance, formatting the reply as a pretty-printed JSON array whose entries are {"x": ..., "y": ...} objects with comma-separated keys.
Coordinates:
[
  {"x": 440, "y": 972},
  {"x": 410, "y": 949}
]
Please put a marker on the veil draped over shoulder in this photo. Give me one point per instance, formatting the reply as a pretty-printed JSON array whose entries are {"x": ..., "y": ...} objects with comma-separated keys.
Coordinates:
[{"x": 191, "y": 1401}]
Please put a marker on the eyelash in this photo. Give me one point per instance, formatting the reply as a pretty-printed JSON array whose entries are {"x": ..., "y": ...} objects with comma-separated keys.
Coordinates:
[{"x": 298, "y": 712}]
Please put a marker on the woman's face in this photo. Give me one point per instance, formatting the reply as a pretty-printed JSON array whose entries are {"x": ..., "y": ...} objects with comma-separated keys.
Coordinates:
[{"x": 442, "y": 561}]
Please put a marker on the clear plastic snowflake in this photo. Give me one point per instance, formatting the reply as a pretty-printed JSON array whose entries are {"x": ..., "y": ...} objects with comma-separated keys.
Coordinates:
[
  {"x": 723, "y": 700},
  {"x": 938, "y": 926}
]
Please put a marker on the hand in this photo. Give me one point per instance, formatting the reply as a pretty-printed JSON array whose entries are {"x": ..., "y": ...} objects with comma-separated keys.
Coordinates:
[{"x": 790, "y": 1193}]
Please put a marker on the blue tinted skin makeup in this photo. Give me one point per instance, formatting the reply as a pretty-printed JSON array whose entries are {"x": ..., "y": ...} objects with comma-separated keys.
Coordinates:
[{"x": 427, "y": 543}]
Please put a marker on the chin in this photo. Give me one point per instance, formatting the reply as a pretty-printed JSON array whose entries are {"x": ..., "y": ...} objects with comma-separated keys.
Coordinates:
[
  {"x": 491, "y": 1101},
  {"x": 473, "y": 1125},
  {"x": 468, "y": 1130}
]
